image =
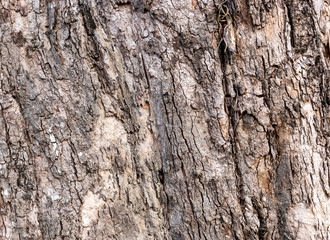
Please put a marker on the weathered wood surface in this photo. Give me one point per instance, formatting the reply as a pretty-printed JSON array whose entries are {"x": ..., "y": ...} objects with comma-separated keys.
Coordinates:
[{"x": 122, "y": 119}]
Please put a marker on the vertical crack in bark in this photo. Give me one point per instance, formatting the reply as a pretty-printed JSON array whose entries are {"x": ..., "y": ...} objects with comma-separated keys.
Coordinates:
[
  {"x": 7, "y": 131},
  {"x": 231, "y": 105},
  {"x": 87, "y": 15},
  {"x": 292, "y": 28}
]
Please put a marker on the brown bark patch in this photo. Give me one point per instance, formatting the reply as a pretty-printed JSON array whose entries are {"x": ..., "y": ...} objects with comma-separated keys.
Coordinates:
[
  {"x": 194, "y": 4},
  {"x": 18, "y": 38}
]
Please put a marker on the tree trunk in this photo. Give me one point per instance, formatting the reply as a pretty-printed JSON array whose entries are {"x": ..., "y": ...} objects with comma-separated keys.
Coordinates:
[{"x": 159, "y": 119}]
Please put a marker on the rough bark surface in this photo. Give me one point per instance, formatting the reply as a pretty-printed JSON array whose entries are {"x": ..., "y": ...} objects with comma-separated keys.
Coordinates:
[{"x": 160, "y": 119}]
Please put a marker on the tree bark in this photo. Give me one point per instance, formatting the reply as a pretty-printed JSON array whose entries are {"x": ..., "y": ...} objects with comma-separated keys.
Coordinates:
[{"x": 159, "y": 119}]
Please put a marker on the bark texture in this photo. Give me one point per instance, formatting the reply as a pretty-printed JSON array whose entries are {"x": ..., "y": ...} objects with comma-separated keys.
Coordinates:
[{"x": 160, "y": 119}]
